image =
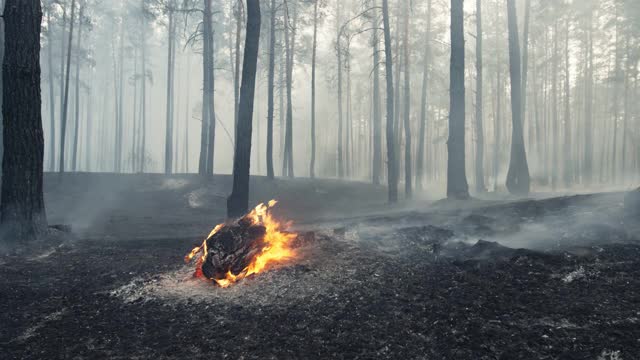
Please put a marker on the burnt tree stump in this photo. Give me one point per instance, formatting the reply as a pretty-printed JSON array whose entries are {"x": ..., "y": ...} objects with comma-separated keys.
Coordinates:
[{"x": 232, "y": 248}]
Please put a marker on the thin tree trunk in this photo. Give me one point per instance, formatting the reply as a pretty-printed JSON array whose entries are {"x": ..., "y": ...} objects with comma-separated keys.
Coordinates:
[
  {"x": 236, "y": 75},
  {"x": 391, "y": 155},
  {"x": 408, "y": 176},
  {"x": 238, "y": 201},
  {"x": 312, "y": 165},
  {"x": 518, "y": 181},
  {"x": 168, "y": 143},
  {"x": 52, "y": 96},
  {"x": 74, "y": 154},
  {"x": 457, "y": 187},
  {"x": 479, "y": 163},
  {"x": 143, "y": 130},
  {"x": 271, "y": 89},
  {"x": 287, "y": 168},
  {"x": 340, "y": 110},
  {"x": 568, "y": 161},
  {"x": 22, "y": 207},
  {"x": 65, "y": 107},
  {"x": 377, "y": 116}
]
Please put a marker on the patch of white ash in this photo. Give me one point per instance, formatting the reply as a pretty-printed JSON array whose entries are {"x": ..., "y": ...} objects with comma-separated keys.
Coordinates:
[
  {"x": 33, "y": 330},
  {"x": 309, "y": 279}
]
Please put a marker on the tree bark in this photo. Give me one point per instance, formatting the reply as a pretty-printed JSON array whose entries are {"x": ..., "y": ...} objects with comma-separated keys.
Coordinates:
[
  {"x": 271, "y": 89},
  {"x": 22, "y": 207},
  {"x": 424, "y": 109},
  {"x": 76, "y": 123},
  {"x": 52, "y": 96},
  {"x": 391, "y": 154},
  {"x": 65, "y": 106},
  {"x": 238, "y": 201},
  {"x": 168, "y": 143},
  {"x": 408, "y": 176},
  {"x": 377, "y": 116},
  {"x": 457, "y": 187},
  {"x": 312, "y": 165},
  {"x": 340, "y": 109},
  {"x": 479, "y": 163},
  {"x": 518, "y": 181}
]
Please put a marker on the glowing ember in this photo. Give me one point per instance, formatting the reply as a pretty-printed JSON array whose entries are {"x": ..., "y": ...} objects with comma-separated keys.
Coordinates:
[{"x": 274, "y": 246}]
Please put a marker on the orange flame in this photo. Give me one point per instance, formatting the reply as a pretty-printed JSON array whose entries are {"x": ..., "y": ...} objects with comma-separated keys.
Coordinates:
[{"x": 277, "y": 248}]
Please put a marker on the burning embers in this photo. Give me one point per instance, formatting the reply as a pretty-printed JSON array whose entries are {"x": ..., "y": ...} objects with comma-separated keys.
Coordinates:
[{"x": 246, "y": 246}]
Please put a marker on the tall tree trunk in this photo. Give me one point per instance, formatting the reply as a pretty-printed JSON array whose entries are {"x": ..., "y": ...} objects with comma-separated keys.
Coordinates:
[
  {"x": 588, "y": 106},
  {"x": 22, "y": 207},
  {"x": 568, "y": 161},
  {"x": 377, "y": 116},
  {"x": 457, "y": 187},
  {"x": 212, "y": 107},
  {"x": 518, "y": 181},
  {"x": 408, "y": 176},
  {"x": 143, "y": 115},
  {"x": 65, "y": 107},
  {"x": 556, "y": 121},
  {"x": 420, "y": 167},
  {"x": 238, "y": 201},
  {"x": 391, "y": 154},
  {"x": 52, "y": 96},
  {"x": 479, "y": 163},
  {"x": 238, "y": 12},
  {"x": 206, "y": 67},
  {"x": 120, "y": 105},
  {"x": 168, "y": 143},
  {"x": 312, "y": 165},
  {"x": 76, "y": 125},
  {"x": 340, "y": 110},
  {"x": 287, "y": 168},
  {"x": 525, "y": 57},
  {"x": 271, "y": 89}
]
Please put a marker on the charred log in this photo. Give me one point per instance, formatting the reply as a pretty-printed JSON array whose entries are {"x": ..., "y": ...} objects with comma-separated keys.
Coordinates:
[{"x": 233, "y": 248}]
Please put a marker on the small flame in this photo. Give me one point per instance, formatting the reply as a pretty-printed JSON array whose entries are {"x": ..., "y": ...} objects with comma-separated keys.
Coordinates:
[{"x": 277, "y": 248}]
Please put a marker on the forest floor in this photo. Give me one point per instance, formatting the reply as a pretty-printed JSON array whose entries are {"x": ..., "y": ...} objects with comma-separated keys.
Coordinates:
[{"x": 552, "y": 278}]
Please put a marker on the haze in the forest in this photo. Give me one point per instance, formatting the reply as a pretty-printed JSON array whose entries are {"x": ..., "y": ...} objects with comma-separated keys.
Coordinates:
[{"x": 135, "y": 70}]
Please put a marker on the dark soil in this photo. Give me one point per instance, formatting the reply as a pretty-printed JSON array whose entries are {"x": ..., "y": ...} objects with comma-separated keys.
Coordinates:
[{"x": 442, "y": 284}]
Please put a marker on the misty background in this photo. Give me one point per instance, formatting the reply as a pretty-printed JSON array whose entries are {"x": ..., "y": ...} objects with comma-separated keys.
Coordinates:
[{"x": 580, "y": 119}]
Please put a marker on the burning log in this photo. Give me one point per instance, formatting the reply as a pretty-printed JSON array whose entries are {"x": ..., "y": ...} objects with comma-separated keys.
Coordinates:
[
  {"x": 246, "y": 246},
  {"x": 233, "y": 248}
]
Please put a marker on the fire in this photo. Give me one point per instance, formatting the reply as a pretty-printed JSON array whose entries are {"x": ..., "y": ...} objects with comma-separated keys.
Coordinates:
[{"x": 277, "y": 246}]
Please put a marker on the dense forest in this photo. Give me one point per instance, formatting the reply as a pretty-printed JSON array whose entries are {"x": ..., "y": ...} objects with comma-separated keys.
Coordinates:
[
  {"x": 125, "y": 85},
  {"x": 441, "y": 179}
]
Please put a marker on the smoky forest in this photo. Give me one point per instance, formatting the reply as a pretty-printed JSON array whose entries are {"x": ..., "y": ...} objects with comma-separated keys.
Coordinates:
[{"x": 320, "y": 179}]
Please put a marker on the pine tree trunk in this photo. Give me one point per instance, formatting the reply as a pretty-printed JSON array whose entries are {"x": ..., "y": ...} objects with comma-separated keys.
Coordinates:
[
  {"x": 420, "y": 167},
  {"x": 271, "y": 89},
  {"x": 236, "y": 69},
  {"x": 52, "y": 97},
  {"x": 377, "y": 116},
  {"x": 65, "y": 106},
  {"x": 391, "y": 154},
  {"x": 457, "y": 187},
  {"x": 568, "y": 161},
  {"x": 340, "y": 109},
  {"x": 22, "y": 207},
  {"x": 143, "y": 130},
  {"x": 168, "y": 143},
  {"x": 312, "y": 165},
  {"x": 479, "y": 163},
  {"x": 238, "y": 201},
  {"x": 518, "y": 181},
  {"x": 408, "y": 176},
  {"x": 76, "y": 123}
]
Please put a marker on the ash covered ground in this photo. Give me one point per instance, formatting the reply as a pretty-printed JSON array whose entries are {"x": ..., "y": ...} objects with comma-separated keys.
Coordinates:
[{"x": 501, "y": 279}]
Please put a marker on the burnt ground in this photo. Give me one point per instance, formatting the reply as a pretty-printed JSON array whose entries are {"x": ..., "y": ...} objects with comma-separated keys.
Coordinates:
[{"x": 554, "y": 278}]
